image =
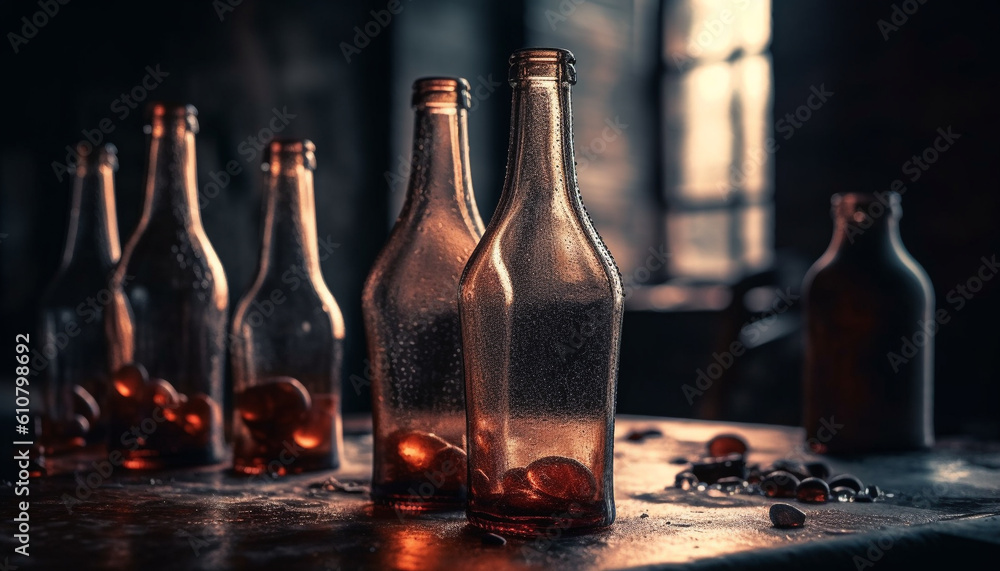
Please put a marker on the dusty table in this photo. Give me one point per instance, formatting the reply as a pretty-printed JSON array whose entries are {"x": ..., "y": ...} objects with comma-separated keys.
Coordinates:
[{"x": 945, "y": 507}]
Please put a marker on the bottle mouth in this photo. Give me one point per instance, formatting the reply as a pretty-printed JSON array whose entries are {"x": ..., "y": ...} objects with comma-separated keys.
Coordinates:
[
  {"x": 289, "y": 152},
  {"x": 554, "y": 64},
  {"x": 441, "y": 92},
  {"x": 861, "y": 206},
  {"x": 90, "y": 157},
  {"x": 160, "y": 113}
]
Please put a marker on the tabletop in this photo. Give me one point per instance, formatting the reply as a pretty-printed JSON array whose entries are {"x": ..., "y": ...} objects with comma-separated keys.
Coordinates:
[{"x": 938, "y": 507}]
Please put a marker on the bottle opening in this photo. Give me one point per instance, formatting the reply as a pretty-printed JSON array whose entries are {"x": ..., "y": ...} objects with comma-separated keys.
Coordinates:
[
  {"x": 441, "y": 92},
  {"x": 862, "y": 206},
  {"x": 542, "y": 63},
  {"x": 289, "y": 152},
  {"x": 91, "y": 157},
  {"x": 159, "y": 114}
]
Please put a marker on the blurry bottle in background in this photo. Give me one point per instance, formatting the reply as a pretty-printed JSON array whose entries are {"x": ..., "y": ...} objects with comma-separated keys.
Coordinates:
[
  {"x": 167, "y": 323},
  {"x": 410, "y": 306},
  {"x": 74, "y": 348},
  {"x": 288, "y": 333},
  {"x": 541, "y": 306},
  {"x": 869, "y": 335}
]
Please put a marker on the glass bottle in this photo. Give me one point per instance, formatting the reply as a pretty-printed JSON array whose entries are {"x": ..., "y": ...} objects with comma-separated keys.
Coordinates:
[
  {"x": 288, "y": 333},
  {"x": 869, "y": 326},
  {"x": 541, "y": 306},
  {"x": 410, "y": 306},
  {"x": 169, "y": 314},
  {"x": 74, "y": 347}
]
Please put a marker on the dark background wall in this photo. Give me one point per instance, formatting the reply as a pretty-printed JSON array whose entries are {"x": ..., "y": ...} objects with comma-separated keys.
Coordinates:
[{"x": 236, "y": 66}]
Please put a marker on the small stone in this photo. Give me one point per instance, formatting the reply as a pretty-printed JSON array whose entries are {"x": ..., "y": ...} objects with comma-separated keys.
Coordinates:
[
  {"x": 678, "y": 460},
  {"x": 130, "y": 380},
  {"x": 642, "y": 434},
  {"x": 784, "y": 516},
  {"x": 779, "y": 484},
  {"x": 725, "y": 444},
  {"x": 494, "y": 539},
  {"x": 843, "y": 494},
  {"x": 561, "y": 478},
  {"x": 846, "y": 481},
  {"x": 643, "y": 516},
  {"x": 863, "y": 498},
  {"x": 813, "y": 491},
  {"x": 731, "y": 482},
  {"x": 710, "y": 470},
  {"x": 797, "y": 469},
  {"x": 874, "y": 491},
  {"x": 685, "y": 480},
  {"x": 818, "y": 469}
]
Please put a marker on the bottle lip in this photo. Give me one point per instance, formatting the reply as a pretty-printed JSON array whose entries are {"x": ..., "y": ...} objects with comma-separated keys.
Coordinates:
[
  {"x": 859, "y": 206},
  {"x": 281, "y": 149},
  {"x": 159, "y": 112},
  {"x": 542, "y": 64},
  {"x": 441, "y": 92},
  {"x": 89, "y": 156}
]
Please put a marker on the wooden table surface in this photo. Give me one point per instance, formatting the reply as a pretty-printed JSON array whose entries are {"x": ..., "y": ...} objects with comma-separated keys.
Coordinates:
[{"x": 945, "y": 508}]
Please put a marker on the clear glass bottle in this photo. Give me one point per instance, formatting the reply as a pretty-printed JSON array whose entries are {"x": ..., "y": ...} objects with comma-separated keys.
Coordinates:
[
  {"x": 288, "y": 333},
  {"x": 541, "y": 306},
  {"x": 410, "y": 306},
  {"x": 168, "y": 317},
  {"x": 74, "y": 346},
  {"x": 865, "y": 300}
]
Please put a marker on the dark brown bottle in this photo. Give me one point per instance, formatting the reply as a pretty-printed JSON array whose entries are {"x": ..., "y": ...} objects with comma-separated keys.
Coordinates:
[
  {"x": 411, "y": 313},
  {"x": 288, "y": 334},
  {"x": 541, "y": 308},
  {"x": 869, "y": 335},
  {"x": 169, "y": 314},
  {"x": 74, "y": 347}
]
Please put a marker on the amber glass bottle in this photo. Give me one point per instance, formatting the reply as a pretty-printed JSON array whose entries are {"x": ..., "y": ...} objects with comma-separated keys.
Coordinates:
[
  {"x": 541, "y": 306},
  {"x": 867, "y": 302},
  {"x": 169, "y": 312},
  {"x": 288, "y": 333},
  {"x": 74, "y": 346},
  {"x": 411, "y": 313}
]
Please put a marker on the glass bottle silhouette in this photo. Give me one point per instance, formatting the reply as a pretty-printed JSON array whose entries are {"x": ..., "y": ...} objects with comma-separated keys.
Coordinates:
[
  {"x": 169, "y": 314},
  {"x": 74, "y": 346},
  {"x": 288, "y": 333},
  {"x": 869, "y": 326},
  {"x": 410, "y": 306},
  {"x": 541, "y": 306}
]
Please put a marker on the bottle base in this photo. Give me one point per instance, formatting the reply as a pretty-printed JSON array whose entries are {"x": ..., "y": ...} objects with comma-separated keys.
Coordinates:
[
  {"x": 536, "y": 526},
  {"x": 409, "y": 498},
  {"x": 277, "y": 467}
]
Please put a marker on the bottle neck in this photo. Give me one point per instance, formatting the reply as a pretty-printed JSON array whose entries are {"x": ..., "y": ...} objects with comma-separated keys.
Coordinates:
[
  {"x": 440, "y": 180},
  {"x": 92, "y": 239},
  {"x": 540, "y": 154},
  {"x": 171, "y": 179},
  {"x": 860, "y": 233},
  {"x": 289, "y": 239}
]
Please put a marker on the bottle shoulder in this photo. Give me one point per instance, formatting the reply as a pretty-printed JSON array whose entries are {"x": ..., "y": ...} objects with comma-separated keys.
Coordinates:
[
  {"x": 542, "y": 256},
  {"x": 288, "y": 298},
  {"x": 898, "y": 274}
]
